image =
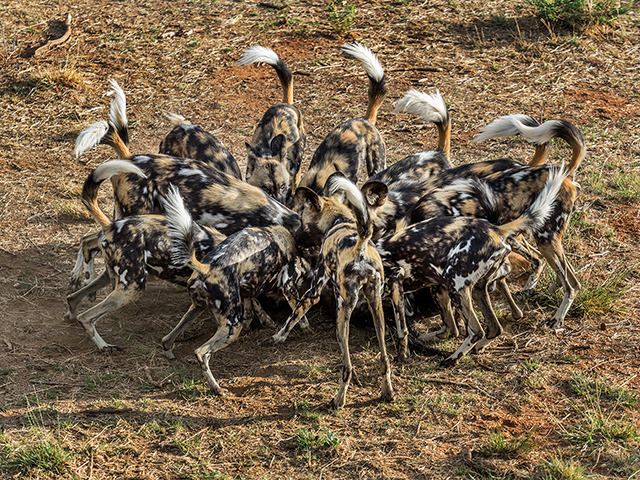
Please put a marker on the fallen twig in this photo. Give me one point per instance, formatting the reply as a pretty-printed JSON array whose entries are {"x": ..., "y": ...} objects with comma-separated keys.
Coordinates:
[{"x": 58, "y": 41}]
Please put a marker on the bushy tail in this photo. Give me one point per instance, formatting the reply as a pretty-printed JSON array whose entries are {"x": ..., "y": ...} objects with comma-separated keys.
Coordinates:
[
  {"x": 266, "y": 55},
  {"x": 538, "y": 134},
  {"x": 431, "y": 108},
  {"x": 183, "y": 232},
  {"x": 535, "y": 216},
  {"x": 490, "y": 202},
  {"x": 375, "y": 72},
  {"x": 176, "y": 119},
  {"x": 95, "y": 179},
  {"x": 114, "y": 133},
  {"x": 364, "y": 203}
]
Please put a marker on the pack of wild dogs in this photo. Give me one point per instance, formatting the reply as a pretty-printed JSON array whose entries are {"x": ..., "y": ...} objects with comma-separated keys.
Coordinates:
[{"x": 188, "y": 216}]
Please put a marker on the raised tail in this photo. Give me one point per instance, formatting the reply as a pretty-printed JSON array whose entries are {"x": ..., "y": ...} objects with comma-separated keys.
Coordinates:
[
  {"x": 431, "y": 108},
  {"x": 183, "y": 232},
  {"x": 535, "y": 216},
  {"x": 363, "y": 202},
  {"x": 176, "y": 119},
  {"x": 540, "y": 135},
  {"x": 114, "y": 132},
  {"x": 94, "y": 180},
  {"x": 375, "y": 72},
  {"x": 266, "y": 55}
]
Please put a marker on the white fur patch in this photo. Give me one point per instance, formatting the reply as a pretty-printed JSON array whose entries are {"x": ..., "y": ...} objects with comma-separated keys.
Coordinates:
[
  {"x": 258, "y": 54},
  {"x": 369, "y": 61},
  {"x": 90, "y": 137},
  {"x": 428, "y": 106}
]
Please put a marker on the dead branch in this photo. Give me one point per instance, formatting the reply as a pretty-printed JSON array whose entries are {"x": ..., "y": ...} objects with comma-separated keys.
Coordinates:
[{"x": 55, "y": 42}]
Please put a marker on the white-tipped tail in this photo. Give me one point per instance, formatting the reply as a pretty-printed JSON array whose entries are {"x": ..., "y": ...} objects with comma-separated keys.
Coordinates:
[
  {"x": 90, "y": 137},
  {"x": 180, "y": 226},
  {"x": 519, "y": 124},
  {"x": 428, "y": 106},
  {"x": 366, "y": 57},
  {"x": 351, "y": 191},
  {"x": 259, "y": 54},
  {"x": 174, "y": 118},
  {"x": 541, "y": 208},
  {"x": 118, "y": 110},
  {"x": 114, "y": 167},
  {"x": 475, "y": 186}
]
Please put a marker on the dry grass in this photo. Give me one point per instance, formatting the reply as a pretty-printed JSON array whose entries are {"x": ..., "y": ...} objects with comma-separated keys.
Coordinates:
[{"x": 69, "y": 412}]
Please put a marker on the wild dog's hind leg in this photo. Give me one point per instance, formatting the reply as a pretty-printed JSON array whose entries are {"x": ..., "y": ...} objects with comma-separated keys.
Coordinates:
[
  {"x": 372, "y": 294},
  {"x": 554, "y": 253},
  {"x": 345, "y": 303},
  {"x": 462, "y": 299},
  {"x": 228, "y": 330}
]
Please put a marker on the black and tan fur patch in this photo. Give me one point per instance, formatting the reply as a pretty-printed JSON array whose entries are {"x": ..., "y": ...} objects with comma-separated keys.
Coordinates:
[{"x": 192, "y": 141}]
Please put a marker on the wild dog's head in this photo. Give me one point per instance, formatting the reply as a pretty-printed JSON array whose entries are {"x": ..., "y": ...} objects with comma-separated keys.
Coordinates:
[{"x": 270, "y": 173}]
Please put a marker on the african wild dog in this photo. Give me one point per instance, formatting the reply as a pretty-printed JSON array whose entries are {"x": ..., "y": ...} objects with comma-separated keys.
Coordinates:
[
  {"x": 517, "y": 189},
  {"x": 232, "y": 275},
  {"x": 134, "y": 248},
  {"x": 274, "y": 155},
  {"x": 463, "y": 255},
  {"x": 215, "y": 198},
  {"x": 342, "y": 221},
  {"x": 356, "y": 144},
  {"x": 407, "y": 178},
  {"x": 186, "y": 140}
]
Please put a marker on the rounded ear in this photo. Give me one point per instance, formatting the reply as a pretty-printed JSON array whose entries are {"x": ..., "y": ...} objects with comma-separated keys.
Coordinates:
[
  {"x": 375, "y": 193},
  {"x": 277, "y": 146},
  {"x": 252, "y": 157},
  {"x": 307, "y": 198}
]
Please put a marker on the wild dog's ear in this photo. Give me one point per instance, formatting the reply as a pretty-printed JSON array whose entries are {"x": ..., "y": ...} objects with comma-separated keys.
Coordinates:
[
  {"x": 252, "y": 157},
  {"x": 307, "y": 198},
  {"x": 375, "y": 193},
  {"x": 277, "y": 147}
]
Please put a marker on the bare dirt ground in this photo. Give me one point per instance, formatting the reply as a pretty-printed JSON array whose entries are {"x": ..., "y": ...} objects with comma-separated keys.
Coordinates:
[{"x": 536, "y": 404}]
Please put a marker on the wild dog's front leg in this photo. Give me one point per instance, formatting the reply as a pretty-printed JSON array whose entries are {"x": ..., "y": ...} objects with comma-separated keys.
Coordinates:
[
  {"x": 263, "y": 317},
  {"x": 309, "y": 299},
  {"x": 449, "y": 327},
  {"x": 398, "y": 302},
  {"x": 481, "y": 296},
  {"x": 372, "y": 294},
  {"x": 74, "y": 299},
  {"x": 228, "y": 331},
  {"x": 116, "y": 299},
  {"x": 84, "y": 272}
]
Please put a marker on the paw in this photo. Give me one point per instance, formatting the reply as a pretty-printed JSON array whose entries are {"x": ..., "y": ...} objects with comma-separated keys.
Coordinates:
[
  {"x": 334, "y": 404},
  {"x": 110, "y": 349},
  {"x": 69, "y": 318},
  {"x": 552, "y": 324},
  {"x": 387, "y": 396},
  {"x": 169, "y": 354},
  {"x": 448, "y": 363},
  {"x": 523, "y": 294},
  {"x": 266, "y": 342}
]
